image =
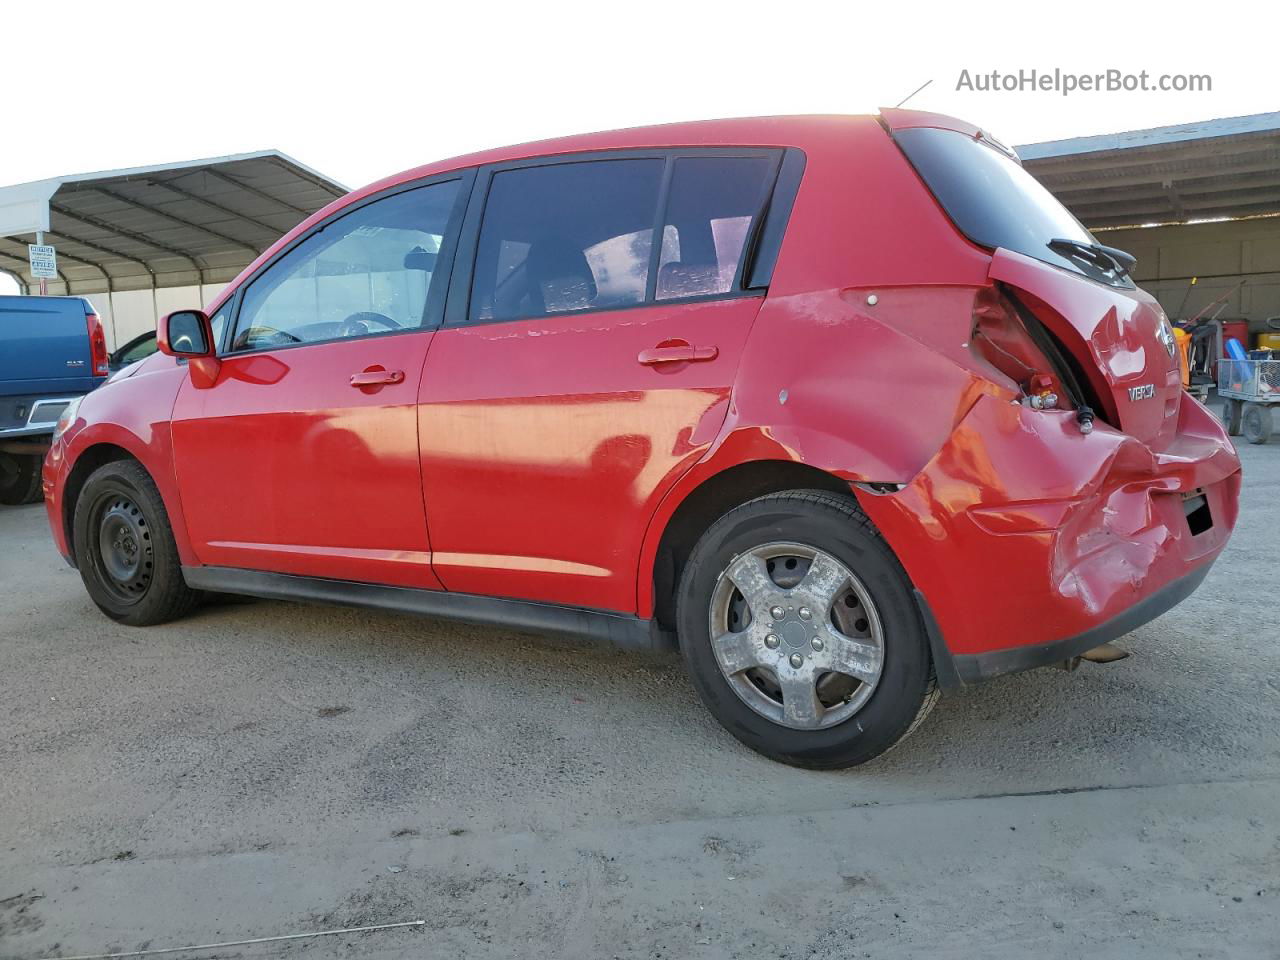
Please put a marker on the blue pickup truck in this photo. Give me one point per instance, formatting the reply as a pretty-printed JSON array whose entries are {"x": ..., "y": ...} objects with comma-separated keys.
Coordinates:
[{"x": 52, "y": 350}]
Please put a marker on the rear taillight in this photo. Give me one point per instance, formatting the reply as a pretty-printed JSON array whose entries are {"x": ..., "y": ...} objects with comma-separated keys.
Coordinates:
[
  {"x": 97, "y": 347},
  {"x": 1001, "y": 339}
]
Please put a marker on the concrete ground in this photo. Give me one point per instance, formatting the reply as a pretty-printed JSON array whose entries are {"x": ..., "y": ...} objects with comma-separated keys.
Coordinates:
[{"x": 264, "y": 769}]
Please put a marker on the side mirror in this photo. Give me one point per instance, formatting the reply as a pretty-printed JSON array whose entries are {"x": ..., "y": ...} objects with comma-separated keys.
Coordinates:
[
  {"x": 185, "y": 333},
  {"x": 188, "y": 335}
]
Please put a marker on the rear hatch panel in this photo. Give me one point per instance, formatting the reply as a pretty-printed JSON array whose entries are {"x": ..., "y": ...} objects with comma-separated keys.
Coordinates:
[{"x": 1119, "y": 336}]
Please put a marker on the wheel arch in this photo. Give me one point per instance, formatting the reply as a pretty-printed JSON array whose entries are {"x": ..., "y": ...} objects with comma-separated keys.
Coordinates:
[
  {"x": 699, "y": 506},
  {"x": 87, "y": 461}
]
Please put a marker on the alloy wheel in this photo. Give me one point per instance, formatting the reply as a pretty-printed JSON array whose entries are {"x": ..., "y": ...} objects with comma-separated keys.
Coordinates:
[{"x": 797, "y": 635}]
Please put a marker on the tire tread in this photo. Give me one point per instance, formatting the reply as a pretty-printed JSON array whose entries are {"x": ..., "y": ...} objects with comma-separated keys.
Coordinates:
[
  {"x": 28, "y": 487},
  {"x": 174, "y": 598}
]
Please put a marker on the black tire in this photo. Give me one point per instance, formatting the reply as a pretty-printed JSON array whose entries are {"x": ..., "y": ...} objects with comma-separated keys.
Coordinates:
[
  {"x": 1231, "y": 411},
  {"x": 1257, "y": 422},
  {"x": 120, "y": 505},
  {"x": 907, "y": 688},
  {"x": 20, "y": 479}
]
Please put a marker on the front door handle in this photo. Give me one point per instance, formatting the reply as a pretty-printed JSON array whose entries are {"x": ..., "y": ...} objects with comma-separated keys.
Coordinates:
[
  {"x": 376, "y": 377},
  {"x": 677, "y": 353}
]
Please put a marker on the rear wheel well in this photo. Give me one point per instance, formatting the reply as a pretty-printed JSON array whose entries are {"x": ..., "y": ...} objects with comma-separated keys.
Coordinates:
[
  {"x": 715, "y": 497},
  {"x": 90, "y": 460}
]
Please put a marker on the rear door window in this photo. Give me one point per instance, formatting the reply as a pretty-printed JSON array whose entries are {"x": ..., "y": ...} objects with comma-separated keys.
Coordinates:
[
  {"x": 566, "y": 237},
  {"x": 712, "y": 207},
  {"x": 574, "y": 235}
]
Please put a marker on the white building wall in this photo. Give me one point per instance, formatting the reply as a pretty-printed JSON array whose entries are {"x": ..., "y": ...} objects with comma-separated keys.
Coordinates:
[
  {"x": 1220, "y": 254},
  {"x": 128, "y": 313}
]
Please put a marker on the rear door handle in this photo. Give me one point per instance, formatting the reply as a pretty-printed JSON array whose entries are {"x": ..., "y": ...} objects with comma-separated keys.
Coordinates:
[
  {"x": 677, "y": 353},
  {"x": 376, "y": 377}
]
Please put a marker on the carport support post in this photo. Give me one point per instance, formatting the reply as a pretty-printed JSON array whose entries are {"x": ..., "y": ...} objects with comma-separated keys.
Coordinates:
[{"x": 44, "y": 284}]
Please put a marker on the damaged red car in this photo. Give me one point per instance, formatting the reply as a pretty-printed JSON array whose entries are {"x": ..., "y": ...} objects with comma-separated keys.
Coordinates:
[{"x": 848, "y": 409}]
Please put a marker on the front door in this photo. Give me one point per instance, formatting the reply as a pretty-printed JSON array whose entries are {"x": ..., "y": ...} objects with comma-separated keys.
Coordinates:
[
  {"x": 587, "y": 370},
  {"x": 303, "y": 456}
]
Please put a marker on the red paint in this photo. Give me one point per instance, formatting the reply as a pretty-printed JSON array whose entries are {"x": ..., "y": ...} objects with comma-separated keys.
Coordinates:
[
  {"x": 286, "y": 465},
  {"x": 543, "y": 458},
  {"x": 546, "y": 444}
]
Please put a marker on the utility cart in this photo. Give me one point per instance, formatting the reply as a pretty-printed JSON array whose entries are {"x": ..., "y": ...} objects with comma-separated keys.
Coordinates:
[{"x": 1249, "y": 389}]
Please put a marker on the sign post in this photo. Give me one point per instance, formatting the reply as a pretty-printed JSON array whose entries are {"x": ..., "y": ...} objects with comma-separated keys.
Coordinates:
[{"x": 44, "y": 262}]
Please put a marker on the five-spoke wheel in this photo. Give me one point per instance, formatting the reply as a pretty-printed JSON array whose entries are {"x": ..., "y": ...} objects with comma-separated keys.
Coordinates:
[
  {"x": 797, "y": 635},
  {"x": 802, "y": 633}
]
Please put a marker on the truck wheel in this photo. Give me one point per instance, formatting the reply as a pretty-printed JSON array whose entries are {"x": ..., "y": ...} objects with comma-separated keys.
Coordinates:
[
  {"x": 801, "y": 631},
  {"x": 1231, "y": 410},
  {"x": 20, "y": 478},
  {"x": 124, "y": 548},
  {"x": 1257, "y": 422}
]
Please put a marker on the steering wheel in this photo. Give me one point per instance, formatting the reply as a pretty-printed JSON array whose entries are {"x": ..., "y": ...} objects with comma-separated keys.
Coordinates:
[
  {"x": 258, "y": 337},
  {"x": 357, "y": 325}
]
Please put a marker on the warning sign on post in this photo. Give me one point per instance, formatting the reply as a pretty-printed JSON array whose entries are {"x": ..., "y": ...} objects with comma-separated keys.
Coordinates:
[{"x": 44, "y": 261}]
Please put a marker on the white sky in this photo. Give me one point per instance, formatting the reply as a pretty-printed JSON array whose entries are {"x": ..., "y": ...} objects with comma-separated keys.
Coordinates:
[{"x": 361, "y": 90}]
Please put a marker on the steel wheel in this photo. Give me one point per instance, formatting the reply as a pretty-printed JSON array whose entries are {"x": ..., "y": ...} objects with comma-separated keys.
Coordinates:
[
  {"x": 125, "y": 555},
  {"x": 796, "y": 635}
]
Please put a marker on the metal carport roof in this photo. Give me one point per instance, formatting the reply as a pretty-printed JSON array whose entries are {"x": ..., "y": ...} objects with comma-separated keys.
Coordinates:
[
  {"x": 170, "y": 225},
  {"x": 1192, "y": 171}
]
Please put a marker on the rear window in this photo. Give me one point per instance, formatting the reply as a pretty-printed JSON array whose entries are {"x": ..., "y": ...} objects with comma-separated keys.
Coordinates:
[{"x": 993, "y": 200}]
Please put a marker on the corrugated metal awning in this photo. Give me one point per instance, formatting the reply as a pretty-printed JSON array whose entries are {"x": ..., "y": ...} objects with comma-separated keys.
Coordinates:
[
  {"x": 171, "y": 225},
  {"x": 1192, "y": 171}
]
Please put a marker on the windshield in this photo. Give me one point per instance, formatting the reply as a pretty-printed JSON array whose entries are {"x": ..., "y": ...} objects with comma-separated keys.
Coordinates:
[{"x": 995, "y": 202}]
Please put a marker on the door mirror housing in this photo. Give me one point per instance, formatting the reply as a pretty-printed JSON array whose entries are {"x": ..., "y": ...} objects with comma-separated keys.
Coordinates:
[
  {"x": 185, "y": 333},
  {"x": 188, "y": 335}
]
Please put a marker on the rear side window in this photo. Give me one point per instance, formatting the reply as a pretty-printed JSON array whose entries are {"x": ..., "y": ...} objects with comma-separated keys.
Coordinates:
[
  {"x": 566, "y": 237},
  {"x": 712, "y": 205}
]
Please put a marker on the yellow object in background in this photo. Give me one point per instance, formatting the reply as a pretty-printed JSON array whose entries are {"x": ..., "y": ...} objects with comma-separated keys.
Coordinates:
[
  {"x": 1269, "y": 341},
  {"x": 1183, "y": 339}
]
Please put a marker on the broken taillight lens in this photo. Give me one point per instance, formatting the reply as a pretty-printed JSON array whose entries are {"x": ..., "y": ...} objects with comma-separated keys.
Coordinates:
[{"x": 1000, "y": 339}]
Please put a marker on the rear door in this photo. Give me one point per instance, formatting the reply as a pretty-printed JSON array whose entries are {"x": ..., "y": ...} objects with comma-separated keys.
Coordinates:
[
  {"x": 303, "y": 456},
  {"x": 584, "y": 365}
]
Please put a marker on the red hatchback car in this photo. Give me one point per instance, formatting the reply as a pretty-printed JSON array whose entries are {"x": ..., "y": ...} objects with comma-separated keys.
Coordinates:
[{"x": 850, "y": 409}]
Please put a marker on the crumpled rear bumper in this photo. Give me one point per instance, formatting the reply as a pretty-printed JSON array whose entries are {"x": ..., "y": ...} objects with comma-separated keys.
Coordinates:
[{"x": 1029, "y": 542}]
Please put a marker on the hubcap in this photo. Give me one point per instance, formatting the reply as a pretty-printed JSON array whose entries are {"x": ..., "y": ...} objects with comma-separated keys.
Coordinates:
[
  {"x": 124, "y": 548},
  {"x": 796, "y": 635}
]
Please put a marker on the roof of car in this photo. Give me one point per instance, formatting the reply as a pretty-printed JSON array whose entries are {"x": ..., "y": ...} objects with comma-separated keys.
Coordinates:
[
  {"x": 781, "y": 131},
  {"x": 807, "y": 130}
]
